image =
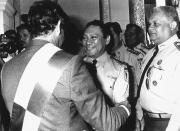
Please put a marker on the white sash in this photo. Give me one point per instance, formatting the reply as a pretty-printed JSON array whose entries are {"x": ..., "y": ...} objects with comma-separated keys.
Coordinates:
[{"x": 37, "y": 71}]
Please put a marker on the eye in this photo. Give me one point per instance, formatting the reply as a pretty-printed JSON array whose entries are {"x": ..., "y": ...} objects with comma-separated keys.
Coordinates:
[
  {"x": 84, "y": 38},
  {"x": 94, "y": 37},
  {"x": 156, "y": 24},
  {"x": 148, "y": 25}
]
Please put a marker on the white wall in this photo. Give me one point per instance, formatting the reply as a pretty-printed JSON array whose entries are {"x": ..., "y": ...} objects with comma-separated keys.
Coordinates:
[
  {"x": 120, "y": 12},
  {"x": 83, "y": 11},
  {"x": 6, "y": 15}
]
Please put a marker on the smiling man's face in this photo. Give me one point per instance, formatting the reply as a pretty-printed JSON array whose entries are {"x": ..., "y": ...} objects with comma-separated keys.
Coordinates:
[
  {"x": 93, "y": 41},
  {"x": 159, "y": 28}
]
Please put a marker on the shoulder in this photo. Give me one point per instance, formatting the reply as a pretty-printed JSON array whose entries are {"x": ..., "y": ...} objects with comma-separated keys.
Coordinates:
[
  {"x": 119, "y": 65},
  {"x": 61, "y": 56},
  {"x": 77, "y": 65},
  {"x": 118, "y": 62},
  {"x": 133, "y": 52}
]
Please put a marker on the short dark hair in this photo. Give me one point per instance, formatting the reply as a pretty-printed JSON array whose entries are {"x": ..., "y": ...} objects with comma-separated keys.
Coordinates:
[
  {"x": 10, "y": 34},
  {"x": 44, "y": 16},
  {"x": 101, "y": 25},
  {"x": 133, "y": 29},
  {"x": 116, "y": 27},
  {"x": 138, "y": 31}
]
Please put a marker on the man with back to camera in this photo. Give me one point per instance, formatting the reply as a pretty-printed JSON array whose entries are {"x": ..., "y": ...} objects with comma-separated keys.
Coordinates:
[
  {"x": 47, "y": 89},
  {"x": 158, "y": 106}
]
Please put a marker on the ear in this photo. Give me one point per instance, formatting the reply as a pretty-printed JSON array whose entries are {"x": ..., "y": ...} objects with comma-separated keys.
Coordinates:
[
  {"x": 173, "y": 25},
  {"x": 58, "y": 28},
  {"x": 108, "y": 38}
]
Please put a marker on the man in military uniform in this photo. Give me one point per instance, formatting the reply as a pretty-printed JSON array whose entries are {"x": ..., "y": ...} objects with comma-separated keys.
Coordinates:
[
  {"x": 134, "y": 45},
  {"x": 111, "y": 73},
  {"x": 159, "y": 101},
  {"x": 133, "y": 51}
]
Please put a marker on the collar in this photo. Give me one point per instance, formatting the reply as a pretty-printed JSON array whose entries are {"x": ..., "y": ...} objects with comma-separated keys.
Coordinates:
[
  {"x": 103, "y": 58},
  {"x": 168, "y": 42},
  {"x": 37, "y": 41}
]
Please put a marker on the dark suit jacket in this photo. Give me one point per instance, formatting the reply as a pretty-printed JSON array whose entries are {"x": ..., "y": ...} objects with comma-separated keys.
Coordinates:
[{"x": 75, "y": 102}]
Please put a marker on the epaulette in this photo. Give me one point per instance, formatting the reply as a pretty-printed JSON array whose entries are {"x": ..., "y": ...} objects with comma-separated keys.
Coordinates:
[
  {"x": 133, "y": 51},
  {"x": 177, "y": 44},
  {"x": 119, "y": 64},
  {"x": 117, "y": 60}
]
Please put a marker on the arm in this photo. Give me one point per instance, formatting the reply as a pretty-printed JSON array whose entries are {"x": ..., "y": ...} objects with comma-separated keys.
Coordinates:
[
  {"x": 91, "y": 104},
  {"x": 119, "y": 91}
]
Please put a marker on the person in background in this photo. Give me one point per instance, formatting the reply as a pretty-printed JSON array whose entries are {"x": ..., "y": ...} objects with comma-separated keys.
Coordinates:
[
  {"x": 158, "y": 106},
  {"x": 134, "y": 38},
  {"x": 24, "y": 36},
  {"x": 116, "y": 37},
  {"x": 8, "y": 45},
  {"x": 135, "y": 51},
  {"x": 6, "y": 40},
  {"x": 46, "y": 88}
]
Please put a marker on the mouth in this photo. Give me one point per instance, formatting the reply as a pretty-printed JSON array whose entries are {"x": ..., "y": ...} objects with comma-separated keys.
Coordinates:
[
  {"x": 152, "y": 34},
  {"x": 90, "y": 47}
]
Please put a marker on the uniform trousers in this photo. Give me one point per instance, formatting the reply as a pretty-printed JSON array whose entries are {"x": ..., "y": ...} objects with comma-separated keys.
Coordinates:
[{"x": 155, "y": 124}]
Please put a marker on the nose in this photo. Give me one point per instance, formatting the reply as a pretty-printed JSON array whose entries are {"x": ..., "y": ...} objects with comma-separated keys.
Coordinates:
[
  {"x": 151, "y": 26},
  {"x": 87, "y": 41}
]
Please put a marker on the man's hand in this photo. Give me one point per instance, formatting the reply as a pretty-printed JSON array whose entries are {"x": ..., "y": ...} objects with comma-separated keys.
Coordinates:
[
  {"x": 139, "y": 117},
  {"x": 139, "y": 125}
]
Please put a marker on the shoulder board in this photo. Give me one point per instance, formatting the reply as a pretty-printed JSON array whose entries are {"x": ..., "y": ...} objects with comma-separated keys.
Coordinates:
[
  {"x": 133, "y": 51},
  {"x": 115, "y": 60},
  {"x": 177, "y": 44}
]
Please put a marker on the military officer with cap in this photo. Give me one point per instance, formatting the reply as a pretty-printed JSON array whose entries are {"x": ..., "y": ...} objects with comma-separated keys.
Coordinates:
[{"x": 158, "y": 106}]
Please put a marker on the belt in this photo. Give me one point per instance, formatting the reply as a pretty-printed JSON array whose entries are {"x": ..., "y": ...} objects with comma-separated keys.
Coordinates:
[{"x": 156, "y": 115}]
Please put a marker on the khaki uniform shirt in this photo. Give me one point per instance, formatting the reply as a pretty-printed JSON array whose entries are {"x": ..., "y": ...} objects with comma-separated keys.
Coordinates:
[{"x": 116, "y": 74}]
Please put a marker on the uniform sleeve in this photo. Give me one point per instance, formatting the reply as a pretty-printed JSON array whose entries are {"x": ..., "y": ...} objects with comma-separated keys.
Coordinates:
[{"x": 91, "y": 104}]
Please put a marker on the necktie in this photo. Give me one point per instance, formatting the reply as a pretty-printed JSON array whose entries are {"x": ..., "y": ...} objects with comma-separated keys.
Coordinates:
[
  {"x": 146, "y": 68},
  {"x": 94, "y": 62}
]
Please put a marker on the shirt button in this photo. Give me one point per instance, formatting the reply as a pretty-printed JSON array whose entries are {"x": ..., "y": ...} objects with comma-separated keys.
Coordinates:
[
  {"x": 159, "y": 62},
  {"x": 154, "y": 83}
]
